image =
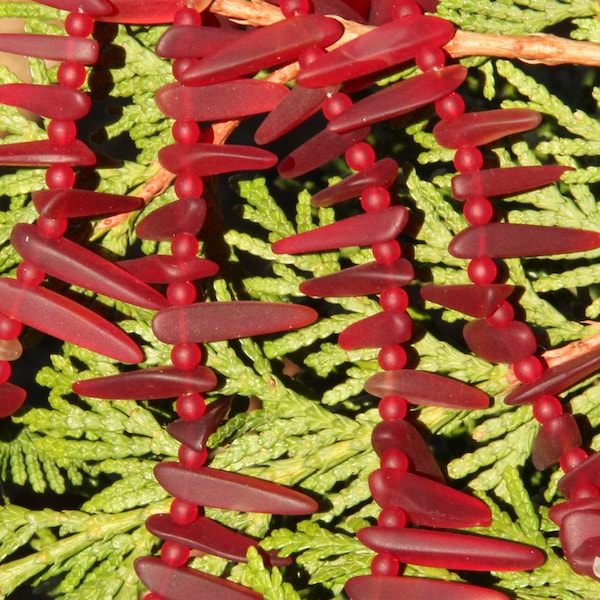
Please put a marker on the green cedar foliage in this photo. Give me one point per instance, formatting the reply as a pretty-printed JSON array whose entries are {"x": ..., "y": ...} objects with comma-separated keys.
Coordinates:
[{"x": 76, "y": 473}]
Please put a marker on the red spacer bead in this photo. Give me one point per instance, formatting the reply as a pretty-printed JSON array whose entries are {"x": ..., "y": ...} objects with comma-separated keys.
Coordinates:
[
  {"x": 482, "y": 270},
  {"x": 450, "y": 107},
  {"x": 528, "y": 369},
  {"x": 571, "y": 459},
  {"x": 504, "y": 315},
  {"x": 392, "y": 408},
  {"x": 183, "y": 512},
  {"x": 193, "y": 459},
  {"x": 293, "y": 8},
  {"x": 189, "y": 185},
  {"x": 10, "y": 328},
  {"x": 405, "y": 8},
  {"x": 478, "y": 211},
  {"x": 468, "y": 159},
  {"x": 79, "y": 24},
  {"x": 60, "y": 177},
  {"x": 375, "y": 198},
  {"x": 360, "y": 156},
  {"x": 546, "y": 408},
  {"x": 394, "y": 459},
  {"x": 309, "y": 55},
  {"x": 430, "y": 58},
  {"x": 180, "y": 65},
  {"x": 71, "y": 74},
  {"x": 392, "y": 516},
  {"x": 186, "y": 132},
  {"x": 5, "y": 370},
  {"x": 52, "y": 228},
  {"x": 385, "y": 564},
  {"x": 387, "y": 252},
  {"x": 180, "y": 293},
  {"x": 394, "y": 299},
  {"x": 62, "y": 133},
  {"x": 190, "y": 406},
  {"x": 29, "y": 275},
  {"x": 174, "y": 554},
  {"x": 392, "y": 357},
  {"x": 184, "y": 245},
  {"x": 186, "y": 356},
  {"x": 335, "y": 105},
  {"x": 187, "y": 16}
]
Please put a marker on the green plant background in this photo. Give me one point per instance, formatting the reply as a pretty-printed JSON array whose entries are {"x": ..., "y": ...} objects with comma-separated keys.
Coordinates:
[{"x": 76, "y": 473}]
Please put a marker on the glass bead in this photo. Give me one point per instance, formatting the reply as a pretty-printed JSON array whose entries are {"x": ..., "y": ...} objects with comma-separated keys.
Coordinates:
[
  {"x": 61, "y": 132},
  {"x": 52, "y": 228},
  {"x": 187, "y": 16},
  {"x": 474, "y": 300},
  {"x": 181, "y": 65},
  {"x": 528, "y": 369},
  {"x": 71, "y": 74},
  {"x": 375, "y": 198},
  {"x": 29, "y": 275},
  {"x": 478, "y": 210},
  {"x": 468, "y": 159},
  {"x": 60, "y": 177},
  {"x": 394, "y": 298},
  {"x": 360, "y": 156},
  {"x": 309, "y": 55},
  {"x": 387, "y": 252},
  {"x": 193, "y": 459},
  {"x": 9, "y": 328},
  {"x": 508, "y": 344},
  {"x": 546, "y": 408},
  {"x": 293, "y": 8},
  {"x": 335, "y": 105},
  {"x": 392, "y": 516},
  {"x": 430, "y": 58},
  {"x": 450, "y": 107},
  {"x": 183, "y": 512},
  {"x": 571, "y": 459},
  {"x": 482, "y": 270},
  {"x": 502, "y": 316},
  {"x": 385, "y": 564},
  {"x": 184, "y": 245},
  {"x": 553, "y": 439},
  {"x": 394, "y": 459},
  {"x": 186, "y": 132},
  {"x": 79, "y": 24},
  {"x": 180, "y": 293},
  {"x": 190, "y": 406},
  {"x": 174, "y": 555},
  {"x": 188, "y": 185},
  {"x": 377, "y": 330},
  {"x": 5, "y": 370},
  {"x": 392, "y": 408},
  {"x": 186, "y": 356},
  {"x": 392, "y": 357}
]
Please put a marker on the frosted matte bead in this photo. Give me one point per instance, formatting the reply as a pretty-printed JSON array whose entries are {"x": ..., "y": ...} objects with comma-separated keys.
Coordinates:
[
  {"x": 559, "y": 511},
  {"x": 221, "y": 101},
  {"x": 294, "y": 109},
  {"x": 381, "y": 329},
  {"x": 71, "y": 203},
  {"x": 263, "y": 48},
  {"x": 51, "y": 47},
  {"x": 182, "y": 216},
  {"x": 10, "y": 349},
  {"x": 450, "y": 550},
  {"x": 211, "y": 537},
  {"x": 587, "y": 472},
  {"x": 185, "y": 41},
  {"x": 504, "y": 181},
  {"x": 43, "y": 153},
  {"x": 319, "y": 150},
  {"x": 474, "y": 300},
  {"x": 168, "y": 269},
  {"x": 360, "y": 230},
  {"x": 500, "y": 344},
  {"x": 75, "y": 264},
  {"x": 210, "y": 159},
  {"x": 383, "y": 47},
  {"x": 427, "y": 502},
  {"x": 194, "y": 434},
  {"x": 171, "y": 583},
  {"x": 60, "y": 317},
  {"x": 556, "y": 379},
  {"x": 134, "y": 11},
  {"x": 510, "y": 240},
  {"x": 11, "y": 399},
  {"x": 553, "y": 438},
  {"x": 369, "y": 587},
  {"x": 52, "y": 101},
  {"x": 94, "y": 8},
  {"x": 580, "y": 539},
  {"x": 231, "y": 491},
  {"x": 382, "y": 173},
  {"x": 399, "y": 99},
  {"x": 428, "y": 389},
  {"x": 154, "y": 383},
  {"x": 212, "y": 321},
  {"x": 479, "y": 128},
  {"x": 400, "y": 435},
  {"x": 361, "y": 280}
]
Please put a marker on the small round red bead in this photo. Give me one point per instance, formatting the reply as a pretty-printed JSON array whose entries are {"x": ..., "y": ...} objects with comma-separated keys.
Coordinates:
[
  {"x": 189, "y": 185},
  {"x": 309, "y": 55},
  {"x": 60, "y": 177},
  {"x": 71, "y": 74},
  {"x": 190, "y": 406},
  {"x": 192, "y": 459},
  {"x": 5, "y": 370},
  {"x": 335, "y": 105},
  {"x": 528, "y": 369},
  {"x": 10, "y": 328},
  {"x": 62, "y": 133},
  {"x": 392, "y": 408},
  {"x": 29, "y": 275},
  {"x": 392, "y": 357},
  {"x": 502, "y": 316},
  {"x": 468, "y": 159},
  {"x": 174, "y": 554},
  {"x": 482, "y": 270},
  {"x": 546, "y": 408},
  {"x": 52, "y": 228},
  {"x": 187, "y": 16},
  {"x": 186, "y": 132},
  {"x": 183, "y": 512},
  {"x": 405, "y": 8},
  {"x": 430, "y": 58},
  {"x": 571, "y": 459},
  {"x": 394, "y": 459},
  {"x": 79, "y": 24},
  {"x": 181, "y": 293},
  {"x": 392, "y": 516},
  {"x": 385, "y": 564},
  {"x": 375, "y": 198},
  {"x": 478, "y": 211},
  {"x": 186, "y": 356},
  {"x": 394, "y": 299},
  {"x": 387, "y": 252},
  {"x": 360, "y": 156},
  {"x": 293, "y": 8},
  {"x": 450, "y": 107},
  {"x": 184, "y": 245}
]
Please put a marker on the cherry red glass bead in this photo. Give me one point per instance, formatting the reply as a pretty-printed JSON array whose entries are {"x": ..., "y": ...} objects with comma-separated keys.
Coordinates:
[
  {"x": 62, "y": 132},
  {"x": 185, "y": 216},
  {"x": 190, "y": 406},
  {"x": 375, "y": 198},
  {"x": 190, "y": 458},
  {"x": 392, "y": 516},
  {"x": 183, "y": 512},
  {"x": 360, "y": 156},
  {"x": 546, "y": 408},
  {"x": 502, "y": 316},
  {"x": 187, "y": 16},
  {"x": 482, "y": 270},
  {"x": 392, "y": 356},
  {"x": 478, "y": 211},
  {"x": 570, "y": 460},
  {"x": 508, "y": 344},
  {"x": 71, "y": 74},
  {"x": 450, "y": 107},
  {"x": 9, "y": 328},
  {"x": 555, "y": 436},
  {"x": 381, "y": 329},
  {"x": 184, "y": 245},
  {"x": 528, "y": 369},
  {"x": 181, "y": 293},
  {"x": 29, "y": 275},
  {"x": 474, "y": 300},
  {"x": 394, "y": 298},
  {"x": 174, "y": 554},
  {"x": 394, "y": 459},
  {"x": 468, "y": 159},
  {"x": 184, "y": 41},
  {"x": 386, "y": 253},
  {"x": 430, "y": 58},
  {"x": 186, "y": 132},
  {"x": 385, "y": 564},
  {"x": 335, "y": 105},
  {"x": 60, "y": 177},
  {"x": 52, "y": 228},
  {"x": 392, "y": 407},
  {"x": 186, "y": 356}
]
